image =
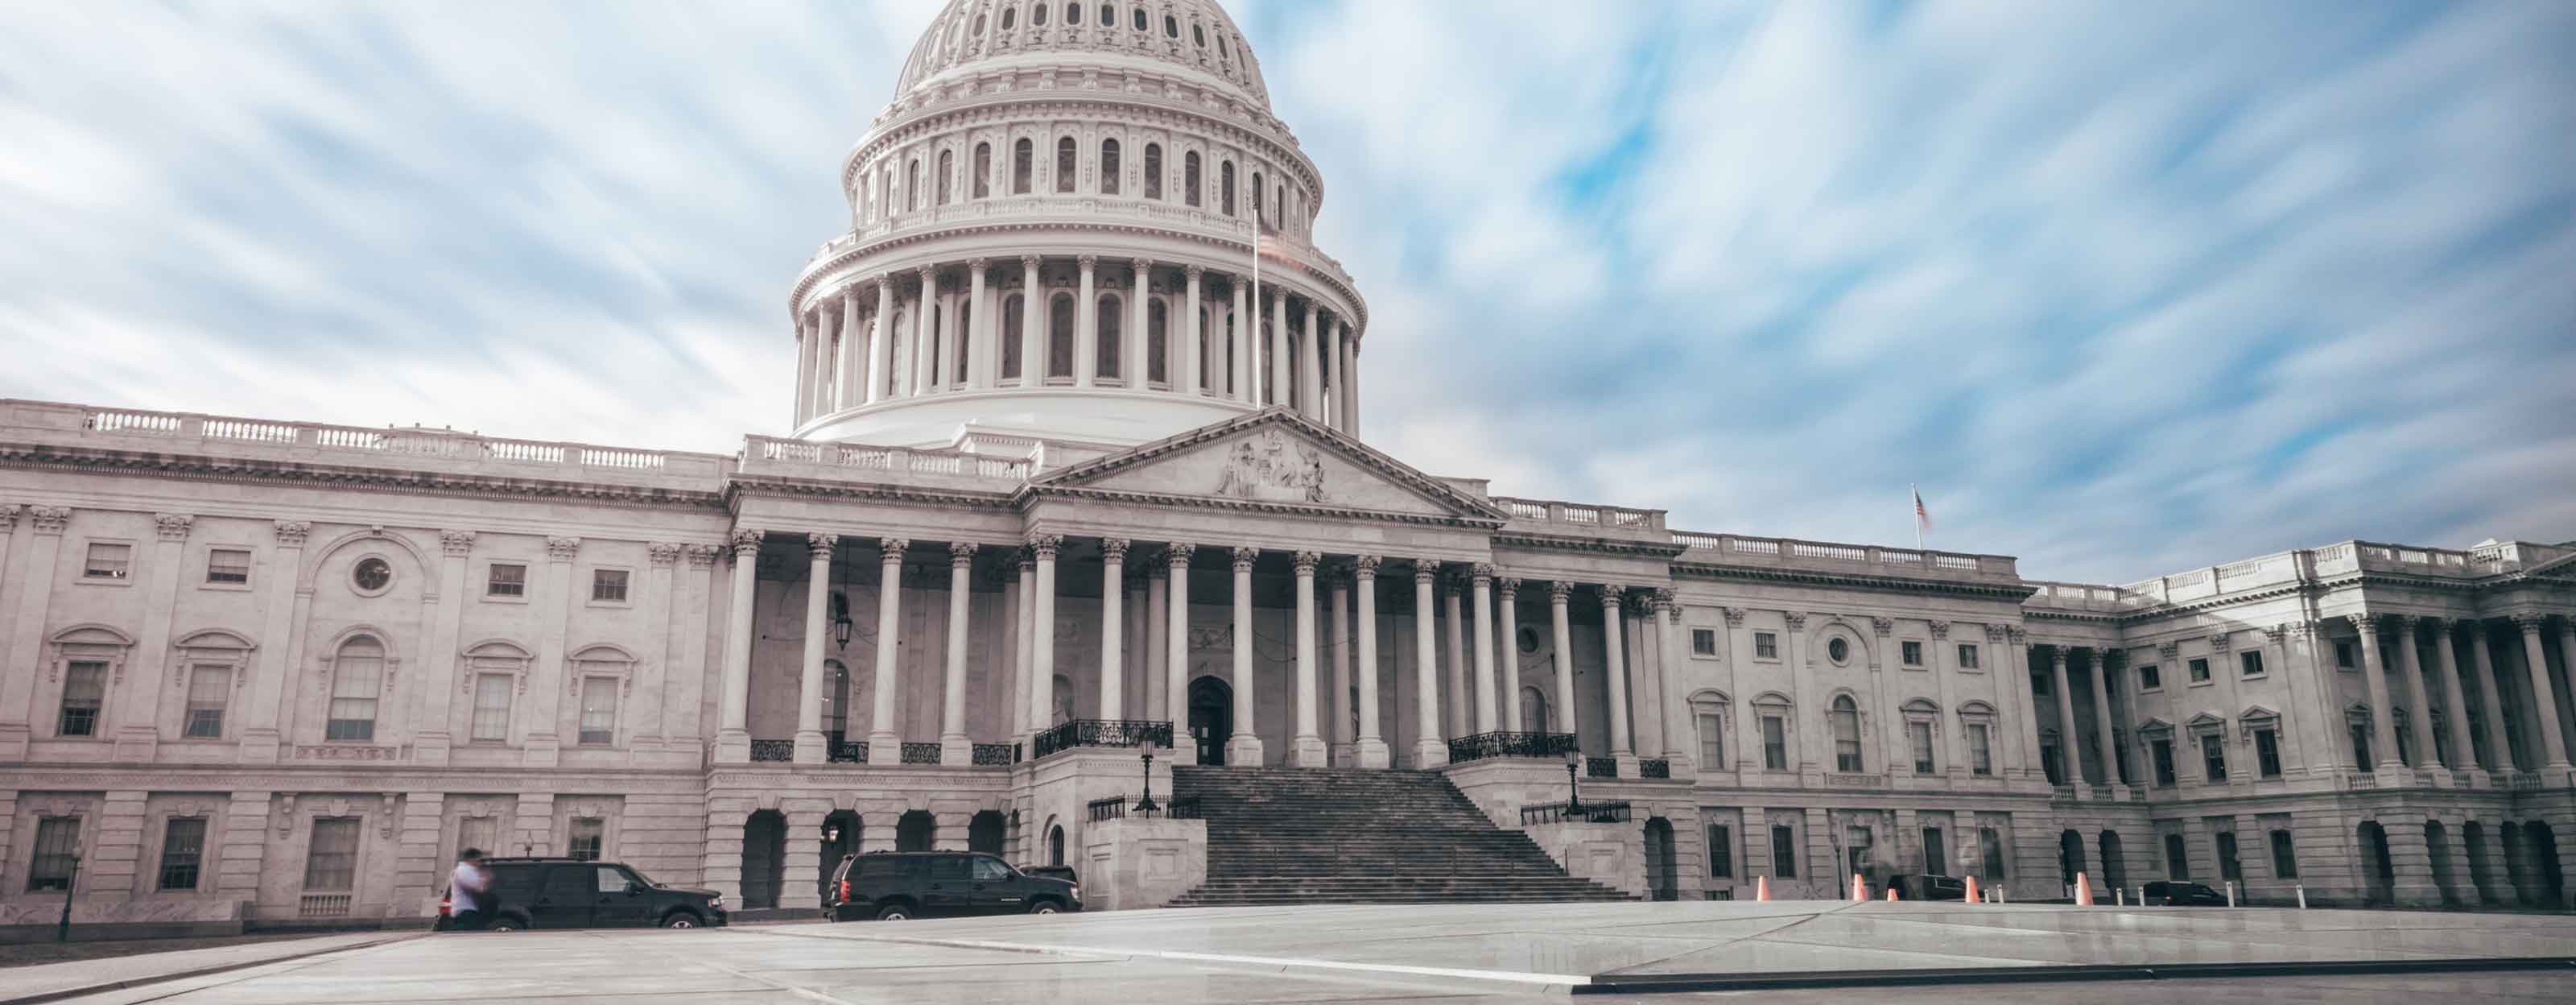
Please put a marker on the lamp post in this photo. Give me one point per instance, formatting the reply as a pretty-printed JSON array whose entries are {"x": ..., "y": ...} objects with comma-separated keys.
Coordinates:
[
  {"x": 1145, "y": 803},
  {"x": 63, "y": 928},
  {"x": 1573, "y": 787}
]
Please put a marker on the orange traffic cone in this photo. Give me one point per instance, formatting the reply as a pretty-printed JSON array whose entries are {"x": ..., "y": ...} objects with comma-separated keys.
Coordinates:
[
  {"x": 1860, "y": 890},
  {"x": 1971, "y": 896},
  {"x": 1891, "y": 895},
  {"x": 2083, "y": 891},
  {"x": 1762, "y": 888}
]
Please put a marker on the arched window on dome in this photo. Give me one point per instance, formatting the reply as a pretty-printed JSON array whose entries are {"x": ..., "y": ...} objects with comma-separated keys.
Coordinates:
[
  {"x": 947, "y": 170},
  {"x": 1109, "y": 167},
  {"x": 1010, "y": 18},
  {"x": 938, "y": 336},
  {"x": 1225, "y": 187},
  {"x": 1140, "y": 19},
  {"x": 1222, "y": 355},
  {"x": 1190, "y": 177},
  {"x": 1037, "y": 16},
  {"x": 1256, "y": 199},
  {"x": 912, "y": 185},
  {"x": 1199, "y": 32},
  {"x": 1064, "y": 164},
  {"x": 1108, "y": 16},
  {"x": 1171, "y": 26},
  {"x": 1023, "y": 154},
  {"x": 1279, "y": 205},
  {"x": 979, "y": 24},
  {"x": 1060, "y": 337},
  {"x": 1107, "y": 336},
  {"x": 965, "y": 339},
  {"x": 983, "y": 170},
  {"x": 1014, "y": 308},
  {"x": 1154, "y": 171},
  {"x": 1073, "y": 15},
  {"x": 1157, "y": 342}
]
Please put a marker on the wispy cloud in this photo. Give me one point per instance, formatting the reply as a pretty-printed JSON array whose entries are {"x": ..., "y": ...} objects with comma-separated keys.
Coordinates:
[{"x": 2125, "y": 289}]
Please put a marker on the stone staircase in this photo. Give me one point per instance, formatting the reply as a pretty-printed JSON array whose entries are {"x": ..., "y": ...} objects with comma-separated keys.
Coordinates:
[{"x": 1350, "y": 836}]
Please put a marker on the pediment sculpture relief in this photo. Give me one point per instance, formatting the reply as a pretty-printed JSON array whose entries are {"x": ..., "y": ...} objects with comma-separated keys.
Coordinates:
[{"x": 1274, "y": 467}]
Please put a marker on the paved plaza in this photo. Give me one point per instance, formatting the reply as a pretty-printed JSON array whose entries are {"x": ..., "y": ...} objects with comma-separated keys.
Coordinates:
[{"x": 1619, "y": 952}]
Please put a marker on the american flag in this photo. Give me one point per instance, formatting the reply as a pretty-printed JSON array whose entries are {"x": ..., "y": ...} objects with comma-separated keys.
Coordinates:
[
  {"x": 1267, "y": 243},
  {"x": 1922, "y": 517}
]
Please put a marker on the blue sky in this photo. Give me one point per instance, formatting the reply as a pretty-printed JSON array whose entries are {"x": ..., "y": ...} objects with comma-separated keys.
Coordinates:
[{"x": 2126, "y": 288}]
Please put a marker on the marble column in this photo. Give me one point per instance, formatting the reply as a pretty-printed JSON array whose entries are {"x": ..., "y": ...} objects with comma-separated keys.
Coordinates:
[
  {"x": 1244, "y": 747},
  {"x": 2455, "y": 705},
  {"x": 1429, "y": 751},
  {"x": 885, "y": 746},
  {"x": 1086, "y": 323},
  {"x": 733, "y": 738},
  {"x": 804, "y": 368},
  {"x": 924, "y": 370},
  {"x": 1561, "y": 644},
  {"x": 1033, "y": 310},
  {"x": 1309, "y": 749},
  {"x": 1680, "y": 731},
  {"x": 2490, "y": 700},
  {"x": 1614, "y": 667},
  {"x": 1157, "y": 618},
  {"x": 2544, "y": 695},
  {"x": 1351, "y": 374},
  {"x": 2419, "y": 712},
  {"x": 1277, "y": 342},
  {"x": 1023, "y": 627},
  {"x": 1339, "y": 599},
  {"x": 955, "y": 747},
  {"x": 1507, "y": 599},
  {"x": 1134, "y": 367},
  {"x": 1186, "y": 377},
  {"x": 2069, "y": 749},
  {"x": 1239, "y": 346},
  {"x": 1113, "y": 654},
  {"x": 1042, "y": 637},
  {"x": 827, "y": 331},
  {"x": 2567, "y": 657},
  {"x": 983, "y": 365},
  {"x": 1462, "y": 690},
  {"x": 809, "y": 697},
  {"x": 1176, "y": 659},
  {"x": 1310, "y": 377},
  {"x": 2383, "y": 725},
  {"x": 1370, "y": 747},
  {"x": 1481, "y": 578},
  {"x": 259, "y": 737},
  {"x": 881, "y": 342},
  {"x": 2106, "y": 740},
  {"x": 1335, "y": 355}
]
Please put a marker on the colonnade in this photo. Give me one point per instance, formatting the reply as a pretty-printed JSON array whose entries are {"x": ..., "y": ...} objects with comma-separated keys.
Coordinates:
[{"x": 942, "y": 328}]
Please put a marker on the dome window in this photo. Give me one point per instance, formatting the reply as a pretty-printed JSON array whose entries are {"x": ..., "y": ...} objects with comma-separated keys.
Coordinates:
[
  {"x": 979, "y": 24},
  {"x": 1154, "y": 171},
  {"x": 1108, "y": 315},
  {"x": 1256, "y": 200},
  {"x": 1108, "y": 16},
  {"x": 947, "y": 170},
  {"x": 983, "y": 170},
  {"x": 1190, "y": 177},
  {"x": 1064, "y": 167},
  {"x": 1060, "y": 337},
  {"x": 1171, "y": 26},
  {"x": 1073, "y": 15},
  {"x": 1022, "y": 157},
  {"x": 912, "y": 186},
  {"x": 1140, "y": 19},
  {"x": 1200, "y": 33},
  {"x": 1010, "y": 18},
  {"x": 1037, "y": 16},
  {"x": 1109, "y": 167},
  {"x": 1225, "y": 188}
]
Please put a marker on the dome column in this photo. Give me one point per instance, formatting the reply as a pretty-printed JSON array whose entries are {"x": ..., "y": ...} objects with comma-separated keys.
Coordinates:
[
  {"x": 1086, "y": 323},
  {"x": 1310, "y": 374},
  {"x": 1032, "y": 345},
  {"x": 880, "y": 342},
  {"x": 852, "y": 367},
  {"x": 981, "y": 366},
  {"x": 1186, "y": 380},
  {"x": 1239, "y": 348},
  {"x": 1139, "y": 369},
  {"x": 1335, "y": 354},
  {"x": 922, "y": 372},
  {"x": 804, "y": 369},
  {"x": 827, "y": 323},
  {"x": 1278, "y": 344}
]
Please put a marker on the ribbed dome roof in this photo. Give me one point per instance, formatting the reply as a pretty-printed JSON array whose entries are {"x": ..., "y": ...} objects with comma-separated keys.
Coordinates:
[{"x": 1193, "y": 35}]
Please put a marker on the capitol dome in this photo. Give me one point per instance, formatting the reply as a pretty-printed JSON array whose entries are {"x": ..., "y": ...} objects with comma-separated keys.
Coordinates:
[{"x": 1051, "y": 238}]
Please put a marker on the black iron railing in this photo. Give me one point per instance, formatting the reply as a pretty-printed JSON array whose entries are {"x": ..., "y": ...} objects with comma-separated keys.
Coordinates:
[
  {"x": 1586, "y": 813},
  {"x": 1484, "y": 745},
  {"x": 1103, "y": 733},
  {"x": 773, "y": 750},
  {"x": 996, "y": 755},
  {"x": 1112, "y": 808},
  {"x": 847, "y": 752},
  {"x": 920, "y": 753},
  {"x": 1185, "y": 808},
  {"x": 1600, "y": 767},
  {"x": 1655, "y": 767}
]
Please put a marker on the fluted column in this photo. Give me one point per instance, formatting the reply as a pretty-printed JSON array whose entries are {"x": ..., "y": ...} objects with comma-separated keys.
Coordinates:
[
  {"x": 885, "y": 746},
  {"x": 1462, "y": 686},
  {"x": 1239, "y": 348},
  {"x": 983, "y": 365},
  {"x": 2454, "y": 700},
  {"x": 1033, "y": 309},
  {"x": 1244, "y": 747},
  {"x": 1309, "y": 744},
  {"x": 1310, "y": 377},
  {"x": 881, "y": 341},
  {"x": 2490, "y": 700},
  {"x": 1370, "y": 748},
  {"x": 1042, "y": 636},
  {"x": 1614, "y": 663},
  {"x": 804, "y": 368},
  {"x": 2106, "y": 741},
  {"x": 2419, "y": 712},
  {"x": 2383, "y": 725},
  {"x": 1133, "y": 365},
  {"x": 1671, "y": 652},
  {"x": 2544, "y": 695},
  {"x": 1481, "y": 580},
  {"x": 1176, "y": 659},
  {"x": 2069, "y": 748},
  {"x": 1351, "y": 373},
  {"x": 1334, "y": 358},
  {"x": 923, "y": 306},
  {"x": 1562, "y": 638},
  {"x": 1338, "y": 597},
  {"x": 1023, "y": 627},
  {"x": 1507, "y": 653},
  {"x": 809, "y": 697},
  {"x": 1429, "y": 750},
  {"x": 2567, "y": 654},
  {"x": 1086, "y": 323},
  {"x": 1278, "y": 343},
  {"x": 955, "y": 747},
  {"x": 827, "y": 329},
  {"x": 733, "y": 739},
  {"x": 1185, "y": 378},
  {"x": 1113, "y": 621}
]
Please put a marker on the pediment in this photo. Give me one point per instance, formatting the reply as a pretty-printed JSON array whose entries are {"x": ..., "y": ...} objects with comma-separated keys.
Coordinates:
[{"x": 1270, "y": 459}]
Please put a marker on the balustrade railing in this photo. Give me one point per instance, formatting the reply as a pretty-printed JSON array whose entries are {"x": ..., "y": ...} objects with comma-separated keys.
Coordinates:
[
  {"x": 1112, "y": 808},
  {"x": 1103, "y": 733},
  {"x": 920, "y": 753},
  {"x": 324, "y": 905},
  {"x": 846, "y": 752},
  {"x": 996, "y": 755},
  {"x": 1484, "y": 745},
  {"x": 1582, "y": 813},
  {"x": 1600, "y": 767},
  {"x": 1655, "y": 767},
  {"x": 774, "y": 750},
  {"x": 417, "y": 442}
]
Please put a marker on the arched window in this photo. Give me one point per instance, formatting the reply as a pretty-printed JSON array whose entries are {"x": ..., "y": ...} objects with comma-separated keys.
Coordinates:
[
  {"x": 1105, "y": 329},
  {"x": 938, "y": 332},
  {"x": 1845, "y": 719},
  {"x": 1064, "y": 164},
  {"x": 1010, "y": 17},
  {"x": 965, "y": 338},
  {"x": 1073, "y": 15},
  {"x": 1256, "y": 200},
  {"x": 1055, "y": 845},
  {"x": 1171, "y": 26},
  {"x": 983, "y": 170},
  {"x": 1022, "y": 153},
  {"x": 1060, "y": 336},
  {"x": 1014, "y": 308},
  {"x": 1153, "y": 165},
  {"x": 1140, "y": 18},
  {"x": 979, "y": 24},
  {"x": 1108, "y": 16},
  {"x": 836, "y": 699},
  {"x": 357, "y": 680},
  {"x": 912, "y": 185},
  {"x": 1156, "y": 341},
  {"x": 1198, "y": 32},
  {"x": 1108, "y": 163},
  {"x": 1279, "y": 205},
  {"x": 1190, "y": 178},
  {"x": 947, "y": 170},
  {"x": 1225, "y": 187},
  {"x": 1037, "y": 16}
]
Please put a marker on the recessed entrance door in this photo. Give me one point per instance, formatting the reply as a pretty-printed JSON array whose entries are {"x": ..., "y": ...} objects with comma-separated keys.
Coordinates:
[{"x": 1211, "y": 718}]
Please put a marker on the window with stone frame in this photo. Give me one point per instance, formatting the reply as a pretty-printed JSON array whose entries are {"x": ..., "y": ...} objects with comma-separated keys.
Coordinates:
[
  {"x": 1109, "y": 169},
  {"x": 1060, "y": 337},
  {"x": 608, "y": 586},
  {"x": 357, "y": 682},
  {"x": 1064, "y": 165},
  {"x": 228, "y": 565},
  {"x": 2249, "y": 662},
  {"x": 84, "y": 696},
  {"x": 598, "y": 711},
  {"x": 1704, "y": 642},
  {"x": 2150, "y": 678},
  {"x": 582, "y": 842},
  {"x": 1845, "y": 721},
  {"x": 947, "y": 173},
  {"x": 331, "y": 861},
  {"x": 1709, "y": 721},
  {"x": 1721, "y": 852},
  {"x": 2229, "y": 868},
  {"x": 2199, "y": 670},
  {"x": 1023, "y": 161},
  {"x": 1990, "y": 843},
  {"x": 506, "y": 579},
  {"x": 982, "y": 186},
  {"x": 2345, "y": 658},
  {"x": 1225, "y": 187},
  {"x": 912, "y": 185},
  {"x": 1157, "y": 341},
  {"x": 1775, "y": 743},
  {"x": 2267, "y": 751},
  {"x": 1766, "y": 646},
  {"x": 1911, "y": 652},
  {"x": 2359, "y": 734},
  {"x": 2177, "y": 859},
  {"x": 1784, "y": 851},
  {"x": 1936, "y": 852},
  {"x": 1108, "y": 329},
  {"x": 1919, "y": 734},
  {"x": 2052, "y": 761},
  {"x": 1190, "y": 177},
  {"x": 183, "y": 852},
  {"x": 482, "y": 833},
  {"x": 1153, "y": 164},
  {"x": 210, "y": 689},
  {"x": 1981, "y": 759},
  {"x": 1969, "y": 656},
  {"x": 57, "y": 841},
  {"x": 2285, "y": 856},
  {"x": 2161, "y": 749},
  {"x": 2213, "y": 757}
]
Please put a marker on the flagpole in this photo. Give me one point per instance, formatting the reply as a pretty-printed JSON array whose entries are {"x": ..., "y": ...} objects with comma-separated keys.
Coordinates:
[
  {"x": 1916, "y": 504},
  {"x": 1253, "y": 340}
]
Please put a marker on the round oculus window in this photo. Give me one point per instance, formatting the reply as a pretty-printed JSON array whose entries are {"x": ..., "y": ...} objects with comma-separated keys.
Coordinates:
[
  {"x": 1838, "y": 650},
  {"x": 371, "y": 575},
  {"x": 1529, "y": 639}
]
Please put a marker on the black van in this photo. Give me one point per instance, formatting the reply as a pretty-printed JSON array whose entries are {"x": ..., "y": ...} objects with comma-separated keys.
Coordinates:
[
  {"x": 892, "y": 886},
  {"x": 2181, "y": 893},
  {"x": 572, "y": 893},
  {"x": 1923, "y": 887}
]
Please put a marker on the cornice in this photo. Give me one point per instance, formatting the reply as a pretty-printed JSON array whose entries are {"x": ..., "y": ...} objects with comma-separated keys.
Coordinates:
[
  {"x": 1594, "y": 545},
  {"x": 248, "y": 471},
  {"x": 1030, "y": 494},
  {"x": 2316, "y": 587},
  {"x": 2015, "y": 592},
  {"x": 772, "y": 485},
  {"x": 905, "y": 122}
]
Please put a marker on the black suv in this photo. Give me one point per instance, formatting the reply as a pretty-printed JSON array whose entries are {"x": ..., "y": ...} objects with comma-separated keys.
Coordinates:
[
  {"x": 1923, "y": 887},
  {"x": 572, "y": 893},
  {"x": 892, "y": 886},
  {"x": 2177, "y": 893}
]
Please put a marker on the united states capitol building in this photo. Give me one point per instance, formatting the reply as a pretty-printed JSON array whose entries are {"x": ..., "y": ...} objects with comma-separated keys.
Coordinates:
[{"x": 1063, "y": 485}]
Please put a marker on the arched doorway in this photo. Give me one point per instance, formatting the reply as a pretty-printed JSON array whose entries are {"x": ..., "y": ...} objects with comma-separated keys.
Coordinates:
[
  {"x": 2517, "y": 865},
  {"x": 2437, "y": 850},
  {"x": 1211, "y": 717},
  {"x": 2481, "y": 868},
  {"x": 1533, "y": 710},
  {"x": 764, "y": 858},
  {"x": 1055, "y": 844},
  {"x": 2070, "y": 857},
  {"x": 1661, "y": 883},
  {"x": 2115, "y": 873},
  {"x": 2544, "y": 860},
  {"x": 2378, "y": 873},
  {"x": 984, "y": 832},
  {"x": 840, "y": 840},
  {"x": 915, "y": 830}
]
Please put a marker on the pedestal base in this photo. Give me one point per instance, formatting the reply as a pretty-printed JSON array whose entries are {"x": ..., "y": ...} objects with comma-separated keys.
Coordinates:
[
  {"x": 883, "y": 748},
  {"x": 954, "y": 751},
  {"x": 1372, "y": 753},
  {"x": 1243, "y": 749},
  {"x": 543, "y": 750},
  {"x": 733, "y": 746},
  {"x": 1309, "y": 752},
  {"x": 1429, "y": 753}
]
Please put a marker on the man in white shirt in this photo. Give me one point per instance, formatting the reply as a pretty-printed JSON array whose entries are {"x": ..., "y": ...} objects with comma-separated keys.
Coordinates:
[{"x": 469, "y": 894}]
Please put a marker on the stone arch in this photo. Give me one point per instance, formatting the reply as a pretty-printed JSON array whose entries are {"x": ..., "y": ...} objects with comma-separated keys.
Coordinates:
[
  {"x": 2378, "y": 870},
  {"x": 2543, "y": 840},
  {"x": 1662, "y": 874},
  {"x": 316, "y": 558},
  {"x": 916, "y": 830},
  {"x": 764, "y": 858},
  {"x": 2437, "y": 856},
  {"x": 1820, "y": 643},
  {"x": 1846, "y": 725},
  {"x": 1054, "y": 842},
  {"x": 984, "y": 832},
  {"x": 2473, "y": 840},
  {"x": 2115, "y": 872},
  {"x": 2070, "y": 856}
]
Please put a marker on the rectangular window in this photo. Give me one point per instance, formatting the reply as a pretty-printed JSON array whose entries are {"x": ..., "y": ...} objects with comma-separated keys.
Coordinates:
[
  {"x": 2360, "y": 745},
  {"x": 1784, "y": 851},
  {"x": 1775, "y": 743},
  {"x": 1847, "y": 756},
  {"x": 210, "y": 687},
  {"x": 1712, "y": 741},
  {"x": 2213, "y": 758},
  {"x": 2051, "y": 764},
  {"x": 479, "y": 833},
  {"x": 84, "y": 690},
  {"x": 2250, "y": 662},
  {"x": 1921, "y": 735},
  {"x": 1857, "y": 842},
  {"x": 2163, "y": 751},
  {"x": 356, "y": 682},
  {"x": 1703, "y": 642},
  {"x": 608, "y": 585},
  {"x": 57, "y": 839},
  {"x": 108, "y": 561},
  {"x": 2177, "y": 862},
  {"x": 2200, "y": 670},
  {"x": 1936, "y": 855},
  {"x": 2344, "y": 657},
  {"x": 331, "y": 864},
  {"x": 598, "y": 710},
  {"x": 1968, "y": 656},
  {"x": 2039, "y": 684},
  {"x": 1912, "y": 651},
  {"x": 2267, "y": 752},
  {"x": 1766, "y": 646},
  {"x": 228, "y": 565},
  {"x": 1992, "y": 844},
  {"x": 183, "y": 849},
  {"x": 583, "y": 844},
  {"x": 2228, "y": 867},
  {"x": 1981, "y": 758},
  {"x": 507, "y": 580},
  {"x": 491, "y": 708},
  {"x": 1721, "y": 852},
  {"x": 2150, "y": 678},
  {"x": 2285, "y": 858}
]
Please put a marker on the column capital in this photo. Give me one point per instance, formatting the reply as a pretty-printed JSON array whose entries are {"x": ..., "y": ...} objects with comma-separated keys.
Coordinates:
[
  {"x": 52, "y": 520},
  {"x": 1670, "y": 603},
  {"x": 890, "y": 549},
  {"x": 1994, "y": 634},
  {"x": 1508, "y": 586},
  {"x": 1734, "y": 616},
  {"x": 173, "y": 526},
  {"x": 1087, "y": 261},
  {"x": 1029, "y": 262},
  {"x": 457, "y": 543},
  {"x": 1025, "y": 557},
  {"x": 2466, "y": 628},
  {"x": 1177, "y": 554},
  {"x": 1305, "y": 562},
  {"x": 1426, "y": 571},
  {"x": 1193, "y": 272},
  {"x": 929, "y": 277},
  {"x": 1940, "y": 630},
  {"x": 663, "y": 554},
  {"x": 1881, "y": 627},
  {"x": 961, "y": 553},
  {"x": 2110, "y": 659},
  {"x": 2057, "y": 658},
  {"x": 745, "y": 542},
  {"x": 1043, "y": 546},
  {"x": 1365, "y": 566},
  {"x": 2399, "y": 623},
  {"x": 2220, "y": 643},
  {"x": 1244, "y": 557},
  {"x": 1558, "y": 590},
  {"x": 1796, "y": 621},
  {"x": 1481, "y": 573},
  {"x": 1613, "y": 596},
  {"x": 2366, "y": 624},
  {"x": 2531, "y": 624},
  {"x": 978, "y": 262},
  {"x": 562, "y": 549},
  {"x": 2168, "y": 650},
  {"x": 1113, "y": 549},
  {"x": 8, "y": 517},
  {"x": 2273, "y": 634},
  {"x": 819, "y": 546},
  {"x": 1143, "y": 263},
  {"x": 2016, "y": 635},
  {"x": 703, "y": 555}
]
